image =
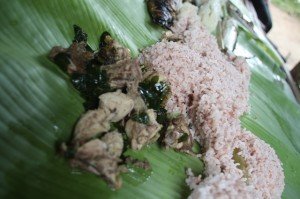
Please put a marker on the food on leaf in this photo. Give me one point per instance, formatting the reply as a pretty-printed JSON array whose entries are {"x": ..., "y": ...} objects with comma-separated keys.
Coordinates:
[{"x": 142, "y": 134}]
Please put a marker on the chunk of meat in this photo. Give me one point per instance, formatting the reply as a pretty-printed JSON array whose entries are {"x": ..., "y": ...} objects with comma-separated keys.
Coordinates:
[
  {"x": 142, "y": 134},
  {"x": 127, "y": 73},
  {"x": 72, "y": 59},
  {"x": 124, "y": 73},
  {"x": 117, "y": 103},
  {"x": 92, "y": 123},
  {"x": 101, "y": 157},
  {"x": 110, "y": 51},
  {"x": 114, "y": 106},
  {"x": 114, "y": 142},
  {"x": 178, "y": 135}
]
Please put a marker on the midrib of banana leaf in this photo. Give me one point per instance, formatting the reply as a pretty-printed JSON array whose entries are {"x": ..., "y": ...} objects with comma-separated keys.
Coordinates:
[{"x": 39, "y": 107}]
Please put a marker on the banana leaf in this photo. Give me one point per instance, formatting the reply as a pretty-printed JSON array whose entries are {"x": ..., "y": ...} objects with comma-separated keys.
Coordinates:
[{"x": 39, "y": 106}]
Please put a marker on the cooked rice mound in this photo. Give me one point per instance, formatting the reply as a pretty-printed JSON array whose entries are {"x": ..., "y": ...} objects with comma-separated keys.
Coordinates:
[{"x": 211, "y": 90}]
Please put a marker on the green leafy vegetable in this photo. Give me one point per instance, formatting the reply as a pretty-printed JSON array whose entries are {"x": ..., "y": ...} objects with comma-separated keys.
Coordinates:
[
  {"x": 154, "y": 92},
  {"x": 91, "y": 85}
]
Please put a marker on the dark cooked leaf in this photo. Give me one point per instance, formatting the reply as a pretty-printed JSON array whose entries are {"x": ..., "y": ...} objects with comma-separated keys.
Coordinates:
[
  {"x": 91, "y": 85},
  {"x": 154, "y": 92},
  {"x": 79, "y": 34}
]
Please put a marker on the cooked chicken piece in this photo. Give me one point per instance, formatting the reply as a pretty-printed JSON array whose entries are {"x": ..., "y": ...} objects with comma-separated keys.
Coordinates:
[
  {"x": 127, "y": 73},
  {"x": 124, "y": 73},
  {"x": 117, "y": 103},
  {"x": 91, "y": 124},
  {"x": 72, "y": 59},
  {"x": 101, "y": 157},
  {"x": 114, "y": 142},
  {"x": 114, "y": 106},
  {"x": 178, "y": 135},
  {"x": 142, "y": 134},
  {"x": 91, "y": 150}
]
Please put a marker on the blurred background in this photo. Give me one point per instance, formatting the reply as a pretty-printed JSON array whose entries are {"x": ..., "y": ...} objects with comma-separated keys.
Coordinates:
[{"x": 285, "y": 31}]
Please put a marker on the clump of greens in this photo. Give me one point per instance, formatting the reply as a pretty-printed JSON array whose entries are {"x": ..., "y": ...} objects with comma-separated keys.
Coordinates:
[
  {"x": 91, "y": 85},
  {"x": 155, "y": 92}
]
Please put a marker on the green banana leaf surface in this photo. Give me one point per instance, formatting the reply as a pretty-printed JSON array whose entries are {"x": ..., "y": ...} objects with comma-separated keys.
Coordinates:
[{"x": 39, "y": 106}]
